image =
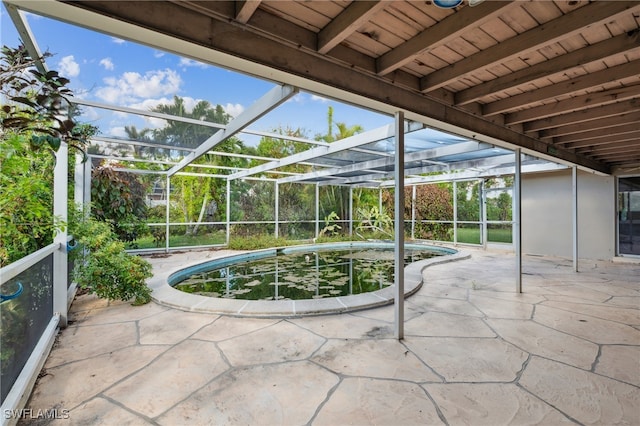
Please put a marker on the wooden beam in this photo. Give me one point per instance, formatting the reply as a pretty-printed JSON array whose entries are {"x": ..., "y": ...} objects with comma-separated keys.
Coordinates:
[
  {"x": 627, "y": 42},
  {"x": 632, "y": 138},
  {"x": 561, "y": 28},
  {"x": 568, "y": 87},
  {"x": 582, "y": 116},
  {"x": 626, "y": 157},
  {"x": 590, "y": 100},
  {"x": 440, "y": 34},
  {"x": 595, "y": 134},
  {"x": 603, "y": 123},
  {"x": 245, "y": 9},
  {"x": 347, "y": 22}
]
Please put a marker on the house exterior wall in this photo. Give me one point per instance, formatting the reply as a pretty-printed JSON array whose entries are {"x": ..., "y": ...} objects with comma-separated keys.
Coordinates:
[{"x": 547, "y": 215}]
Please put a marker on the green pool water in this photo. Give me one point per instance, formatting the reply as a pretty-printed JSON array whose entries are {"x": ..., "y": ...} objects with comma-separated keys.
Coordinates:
[{"x": 312, "y": 274}]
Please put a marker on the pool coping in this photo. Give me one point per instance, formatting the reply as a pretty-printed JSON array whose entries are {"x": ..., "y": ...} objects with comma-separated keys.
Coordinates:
[{"x": 164, "y": 294}]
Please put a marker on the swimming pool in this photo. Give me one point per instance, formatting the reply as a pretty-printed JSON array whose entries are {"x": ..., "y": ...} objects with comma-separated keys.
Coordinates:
[
  {"x": 165, "y": 294},
  {"x": 295, "y": 274}
]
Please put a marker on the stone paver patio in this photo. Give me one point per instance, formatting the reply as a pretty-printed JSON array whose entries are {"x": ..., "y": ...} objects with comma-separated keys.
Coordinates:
[{"x": 565, "y": 351}]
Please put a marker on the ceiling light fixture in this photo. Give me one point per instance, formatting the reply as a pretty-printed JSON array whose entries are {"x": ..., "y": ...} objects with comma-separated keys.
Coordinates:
[
  {"x": 447, "y": 4},
  {"x": 450, "y": 4}
]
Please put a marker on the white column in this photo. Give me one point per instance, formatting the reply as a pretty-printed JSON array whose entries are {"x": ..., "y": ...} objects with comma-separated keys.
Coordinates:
[
  {"x": 228, "y": 211},
  {"x": 483, "y": 214},
  {"x": 517, "y": 220},
  {"x": 399, "y": 226},
  {"x": 317, "y": 210},
  {"x": 574, "y": 188},
  {"x": 87, "y": 186},
  {"x": 350, "y": 211},
  {"x": 277, "y": 203},
  {"x": 78, "y": 182},
  {"x": 60, "y": 267},
  {"x": 413, "y": 212},
  {"x": 455, "y": 212},
  {"x": 167, "y": 215}
]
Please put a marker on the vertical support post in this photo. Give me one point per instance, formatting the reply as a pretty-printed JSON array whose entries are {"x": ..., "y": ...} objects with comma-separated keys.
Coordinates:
[
  {"x": 483, "y": 213},
  {"x": 350, "y": 211},
  {"x": 399, "y": 226},
  {"x": 78, "y": 182},
  {"x": 87, "y": 187},
  {"x": 413, "y": 212},
  {"x": 574, "y": 189},
  {"x": 380, "y": 200},
  {"x": 60, "y": 266},
  {"x": 317, "y": 210},
  {"x": 277, "y": 203},
  {"x": 455, "y": 212},
  {"x": 228, "y": 211},
  {"x": 517, "y": 220},
  {"x": 167, "y": 214}
]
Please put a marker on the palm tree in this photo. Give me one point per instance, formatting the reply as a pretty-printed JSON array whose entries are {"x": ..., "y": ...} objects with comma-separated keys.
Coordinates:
[{"x": 337, "y": 197}]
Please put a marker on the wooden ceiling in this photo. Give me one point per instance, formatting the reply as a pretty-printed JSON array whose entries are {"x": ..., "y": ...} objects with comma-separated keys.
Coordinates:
[{"x": 560, "y": 78}]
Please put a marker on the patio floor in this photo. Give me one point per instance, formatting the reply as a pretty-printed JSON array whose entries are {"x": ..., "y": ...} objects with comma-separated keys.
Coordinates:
[{"x": 567, "y": 350}]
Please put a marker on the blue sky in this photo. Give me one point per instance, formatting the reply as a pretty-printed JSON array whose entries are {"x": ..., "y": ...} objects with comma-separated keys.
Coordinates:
[{"x": 102, "y": 68}]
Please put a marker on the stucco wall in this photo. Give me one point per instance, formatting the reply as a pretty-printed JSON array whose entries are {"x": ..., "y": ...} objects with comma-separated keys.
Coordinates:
[{"x": 547, "y": 215}]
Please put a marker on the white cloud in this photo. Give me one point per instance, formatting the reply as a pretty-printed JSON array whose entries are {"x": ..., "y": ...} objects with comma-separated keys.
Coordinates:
[
  {"x": 132, "y": 87},
  {"x": 117, "y": 40},
  {"x": 317, "y": 98},
  {"x": 107, "y": 63},
  {"x": 89, "y": 114},
  {"x": 69, "y": 67},
  {"x": 117, "y": 132},
  {"x": 233, "y": 109},
  {"x": 158, "y": 54},
  {"x": 185, "y": 62}
]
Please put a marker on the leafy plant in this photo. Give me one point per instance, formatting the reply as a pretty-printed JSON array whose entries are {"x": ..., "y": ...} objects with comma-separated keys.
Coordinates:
[
  {"x": 258, "y": 242},
  {"x": 330, "y": 228},
  {"x": 26, "y": 199},
  {"x": 108, "y": 270},
  {"x": 39, "y": 105},
  {"x": 374, "y": 220},
  {"x": 119, "y": 198}
]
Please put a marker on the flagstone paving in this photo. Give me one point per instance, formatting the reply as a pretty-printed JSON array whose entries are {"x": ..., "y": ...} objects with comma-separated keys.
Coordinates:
[{"x": 565, "y": 351}]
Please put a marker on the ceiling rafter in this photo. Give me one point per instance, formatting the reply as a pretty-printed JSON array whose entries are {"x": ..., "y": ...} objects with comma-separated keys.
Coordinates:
[
  {"x": 595, "y": 134},
  {"x": 439, "y": 34},
  {"x": 245, "y": 9},
  {"x": 578, "y": 103},
  {"x": 597, "y": 124},
  {"x": 606, "y": 140},
  {"x": 565, "y": 26},
  {"x": 626, "y": 42},
  {"x": 625, "y": 71},
  {"x": 584, "y": 115},
  {"x": 347, "y": 22}
]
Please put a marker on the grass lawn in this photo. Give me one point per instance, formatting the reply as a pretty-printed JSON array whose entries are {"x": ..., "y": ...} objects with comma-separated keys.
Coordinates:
[
  {"x": 495, "y": 235},
  {"x": 147, "y": 241}
]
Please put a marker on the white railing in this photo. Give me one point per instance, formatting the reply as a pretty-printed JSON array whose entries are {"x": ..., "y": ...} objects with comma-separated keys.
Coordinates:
[{"x": 21, "y": 388}]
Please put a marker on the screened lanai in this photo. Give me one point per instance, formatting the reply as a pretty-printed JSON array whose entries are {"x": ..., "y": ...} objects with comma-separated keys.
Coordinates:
[
  {"x": 424, "y": 143},
  {"x": 471, "y": 96}
]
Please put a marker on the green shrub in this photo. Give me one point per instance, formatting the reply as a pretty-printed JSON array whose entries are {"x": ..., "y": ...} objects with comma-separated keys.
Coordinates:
[
  {"x": 258, "y": 242},
  {"x": 107, "y": 270}
]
